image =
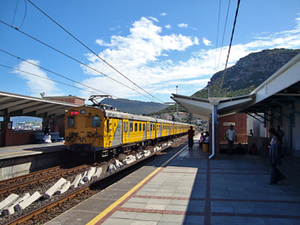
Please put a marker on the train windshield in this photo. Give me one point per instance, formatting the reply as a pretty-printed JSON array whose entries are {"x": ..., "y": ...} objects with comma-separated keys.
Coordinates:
[
  {"x": 71, "y": 121},
  {"x": 96, "y": 121}
]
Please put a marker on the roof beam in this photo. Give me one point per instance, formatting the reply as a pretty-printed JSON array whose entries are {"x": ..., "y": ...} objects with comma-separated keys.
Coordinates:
[
  {"x": 37, "y": 108},
  {"x": 23, "y": 106},
  {"x": 3, "y": 99},
  {"x": 272, "y": 116},
  {"x": 287, "y": 107},
  {"x": 7, "y": 105},
  {"x": 294, "y": 99},
  {"x": 278, "y": 111},
  {"x": 49, "y": 109},
  {"x": 262, "y": 116},
  {"x": 255, "y": 118}
]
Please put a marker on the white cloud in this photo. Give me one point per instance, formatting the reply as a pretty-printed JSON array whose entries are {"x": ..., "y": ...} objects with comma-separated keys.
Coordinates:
[
  {"x": 168, "y": 26},
  {"x": 136, "y": 56},
  {"x": 35, "y": 78},
  {"x": 183, "y": 25},
  {"x": 153, "y": 18},
  {"x": 163, "y": 14},
  {"x": 206, "y": 42}
]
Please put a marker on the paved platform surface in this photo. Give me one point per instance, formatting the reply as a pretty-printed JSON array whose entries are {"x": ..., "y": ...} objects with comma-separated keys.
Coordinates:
[
  {"x": 31, "y": 149},
  {"x": 185, "y": 187}
]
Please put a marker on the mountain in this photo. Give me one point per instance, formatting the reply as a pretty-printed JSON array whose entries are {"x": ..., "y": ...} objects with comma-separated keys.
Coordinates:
[
  {"x": 132, "y": 106},
  {"x": 248, "y": 73}
]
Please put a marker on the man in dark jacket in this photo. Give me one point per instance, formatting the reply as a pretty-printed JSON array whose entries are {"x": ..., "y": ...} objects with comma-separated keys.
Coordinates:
[{"x": 191, "y": 138}]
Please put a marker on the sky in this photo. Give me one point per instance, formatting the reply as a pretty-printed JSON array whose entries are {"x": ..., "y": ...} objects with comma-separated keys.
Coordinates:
[{"x": 135, "y": 49}]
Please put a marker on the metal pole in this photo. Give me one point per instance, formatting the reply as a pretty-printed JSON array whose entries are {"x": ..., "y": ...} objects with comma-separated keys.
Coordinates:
[{"x": 177, "y": 104}]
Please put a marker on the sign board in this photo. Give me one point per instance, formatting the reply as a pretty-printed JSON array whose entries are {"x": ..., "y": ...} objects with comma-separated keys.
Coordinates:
[{"x": 227, "y": 124}]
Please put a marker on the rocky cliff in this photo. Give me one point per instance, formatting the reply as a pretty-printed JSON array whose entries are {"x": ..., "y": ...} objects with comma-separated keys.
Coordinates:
[{"x": 248, "y": 73}]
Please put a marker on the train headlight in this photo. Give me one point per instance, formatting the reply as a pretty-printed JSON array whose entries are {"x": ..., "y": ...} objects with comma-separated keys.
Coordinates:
[{"x": 83, "y": 111}]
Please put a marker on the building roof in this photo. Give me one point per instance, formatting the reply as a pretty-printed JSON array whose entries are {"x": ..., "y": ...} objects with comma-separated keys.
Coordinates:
[{"x": 21, "y": 105}]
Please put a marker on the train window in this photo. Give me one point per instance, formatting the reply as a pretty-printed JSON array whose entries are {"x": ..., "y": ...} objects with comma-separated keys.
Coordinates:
[
  {"x": 131, "y": 126},
  {"x": 140, "y": 127},
  {"x": 135, "y": 127},
  {"x": 144, "y": 127},
  {"x": 107, "y": 126},
  {"x": 96, "y": 121},
  {"x": 71, "y": 121}
]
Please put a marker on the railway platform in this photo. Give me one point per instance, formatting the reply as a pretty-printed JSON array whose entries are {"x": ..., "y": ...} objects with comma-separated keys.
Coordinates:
[
  {"x": 23, "y": 159},
  {"x": 185, "y": 187},
  {"x": 31, "y": 149}
]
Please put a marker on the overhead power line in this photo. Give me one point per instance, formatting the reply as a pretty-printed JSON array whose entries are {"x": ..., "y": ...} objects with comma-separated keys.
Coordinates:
[
  {"x": 53, "y": 72},
  {"x": 46, "y": 78},
  {"x": 236, "y": 14},
  {"x": 74, "y": 59},
  {"x": 93, "y": 51}
]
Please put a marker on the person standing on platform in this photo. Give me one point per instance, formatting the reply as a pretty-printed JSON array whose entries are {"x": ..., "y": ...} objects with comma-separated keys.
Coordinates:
[
  {"x": 47, "y": 137},
  {"x": 230, "y": 135},
  {"x": 280, "y": 132},
  {"x": 191, "y": 137},
  {"x": 275, "y": 157}
]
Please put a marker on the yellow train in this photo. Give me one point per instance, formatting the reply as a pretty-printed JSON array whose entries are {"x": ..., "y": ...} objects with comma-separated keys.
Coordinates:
[{"x": 108, "y": 132}]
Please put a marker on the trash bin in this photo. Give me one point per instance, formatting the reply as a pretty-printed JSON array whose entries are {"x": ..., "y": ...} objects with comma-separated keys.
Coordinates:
[{"x": 205, "y": 147}]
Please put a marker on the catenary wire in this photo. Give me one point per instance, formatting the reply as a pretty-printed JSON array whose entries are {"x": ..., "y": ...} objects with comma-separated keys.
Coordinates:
[
  {"x": 25, "y": 13},
  {"x": 93, "y": 51},
  {"x": 236, "y": 14},
  {"x": 224, "y": 33},
  {"x": 52, "y": 72},
  {"x": 46, "y": 78},
  {"x": 217, "y": 39},
  {"x": 73, "y": 58}
]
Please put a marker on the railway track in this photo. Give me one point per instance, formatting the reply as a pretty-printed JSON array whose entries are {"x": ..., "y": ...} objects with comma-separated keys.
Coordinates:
[{"x": 45, "y": 210}]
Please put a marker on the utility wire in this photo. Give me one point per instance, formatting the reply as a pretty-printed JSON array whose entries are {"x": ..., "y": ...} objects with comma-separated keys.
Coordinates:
[
  {"x": 236, "y": 14},
  {"x": 46, "y": 78},
  {"x": 224, "y": 33},
  {"x": 16, "y": 9},
  {"x": 73, "y": 58},
  {"x": 53, "y": 72},
  {"x": 92, "y": 51}
]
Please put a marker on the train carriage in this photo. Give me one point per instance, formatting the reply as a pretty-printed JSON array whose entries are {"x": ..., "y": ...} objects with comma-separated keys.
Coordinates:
[{"x": 90, "y": 129}]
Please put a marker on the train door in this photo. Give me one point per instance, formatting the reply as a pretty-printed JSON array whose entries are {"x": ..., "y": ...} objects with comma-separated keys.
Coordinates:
[
  {"x": 130, "y": 131},
  {"x": 158, "y": 129},
  {"x": 148, "y": 130},
  {"x": 125, "y": 131}
]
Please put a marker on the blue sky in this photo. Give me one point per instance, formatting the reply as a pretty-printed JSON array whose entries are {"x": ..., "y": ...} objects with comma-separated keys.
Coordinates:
[{"x": 158, "y": 45}]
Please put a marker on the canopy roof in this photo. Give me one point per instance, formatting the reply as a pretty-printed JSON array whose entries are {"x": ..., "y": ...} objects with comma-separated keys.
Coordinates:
[
  {"x": 281, "y": 89},
  {"x": 21, "y": 105}
]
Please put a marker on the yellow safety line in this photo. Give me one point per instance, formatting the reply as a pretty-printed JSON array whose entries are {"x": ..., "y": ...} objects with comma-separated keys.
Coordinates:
[
  {"x": 116, "y": 203},
  {"x": 10, "y": 153}
]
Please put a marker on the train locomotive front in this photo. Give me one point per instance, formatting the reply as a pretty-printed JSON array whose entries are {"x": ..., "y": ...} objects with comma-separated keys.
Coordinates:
[{"x": 84, "y": 129}]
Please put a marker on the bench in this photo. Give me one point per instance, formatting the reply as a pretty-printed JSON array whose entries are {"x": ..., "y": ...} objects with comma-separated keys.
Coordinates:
[
  {"x": 55, "y": 137},
  {"x": 39, "y": 137}
]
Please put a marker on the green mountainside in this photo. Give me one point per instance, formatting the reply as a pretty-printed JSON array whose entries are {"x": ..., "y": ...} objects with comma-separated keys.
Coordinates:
[
  {"x": 132, "y": 106},
  {"x": 248, "y": 73}
]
